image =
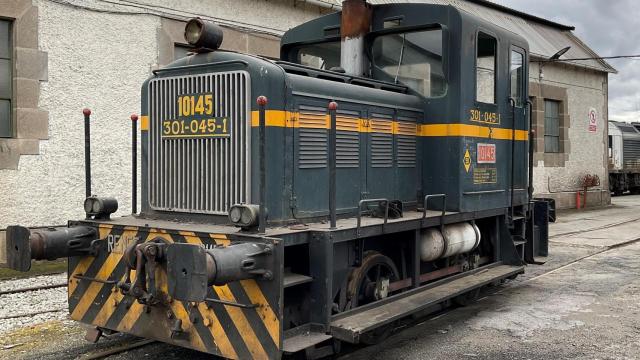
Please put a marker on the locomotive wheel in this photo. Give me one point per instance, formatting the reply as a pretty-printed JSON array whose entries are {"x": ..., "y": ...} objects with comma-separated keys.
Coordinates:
[{"x": 368, "y": 283}]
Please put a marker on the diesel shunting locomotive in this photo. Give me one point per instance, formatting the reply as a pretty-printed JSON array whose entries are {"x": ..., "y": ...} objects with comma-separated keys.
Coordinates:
[{"x": 379, "y": 169}]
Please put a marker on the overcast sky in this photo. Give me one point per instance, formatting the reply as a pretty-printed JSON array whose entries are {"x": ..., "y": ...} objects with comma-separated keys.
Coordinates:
[{"x": 609, "y": 28}]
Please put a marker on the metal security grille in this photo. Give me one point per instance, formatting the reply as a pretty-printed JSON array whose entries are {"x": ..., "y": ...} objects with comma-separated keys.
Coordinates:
[{"x": 203, "y": 175}]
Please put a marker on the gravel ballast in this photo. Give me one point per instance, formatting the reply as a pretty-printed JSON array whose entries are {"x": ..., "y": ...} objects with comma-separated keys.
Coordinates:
[{"x": 19, "y": 309}]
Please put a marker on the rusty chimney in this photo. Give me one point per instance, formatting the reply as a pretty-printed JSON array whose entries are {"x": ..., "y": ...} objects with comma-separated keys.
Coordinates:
[{"x": 355, "y": 24}]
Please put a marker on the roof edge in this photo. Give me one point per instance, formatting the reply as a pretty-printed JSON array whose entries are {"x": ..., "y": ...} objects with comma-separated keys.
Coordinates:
[{"x": 491, "y": 4}]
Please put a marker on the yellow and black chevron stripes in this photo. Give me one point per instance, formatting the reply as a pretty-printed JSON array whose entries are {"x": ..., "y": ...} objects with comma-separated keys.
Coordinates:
[
  {"x": 229, "y": 331},
  {"x": 278, "y": 118}
]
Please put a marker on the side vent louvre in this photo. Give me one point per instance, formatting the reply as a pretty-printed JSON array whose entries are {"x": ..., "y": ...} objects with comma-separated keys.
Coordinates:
[
  {"x": 347, "y": 141},
  {"x": 381, "y": 143},
  {"x": 406, "y": 139},
  {"x": 312, "y": 138}
]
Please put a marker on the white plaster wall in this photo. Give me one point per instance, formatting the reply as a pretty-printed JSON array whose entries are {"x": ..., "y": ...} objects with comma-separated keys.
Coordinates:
[
  {"x": 275, "y": 15},
  {"x": 99, "y": 60},
  {"x": 585, "y": 90}
]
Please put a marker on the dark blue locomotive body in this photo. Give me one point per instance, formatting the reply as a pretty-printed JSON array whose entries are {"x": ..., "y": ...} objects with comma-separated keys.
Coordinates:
[{"x": 379, "y": 169}]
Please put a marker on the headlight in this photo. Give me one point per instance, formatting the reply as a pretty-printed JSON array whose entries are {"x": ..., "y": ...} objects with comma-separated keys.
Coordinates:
[
  {"x": 203, "y": 35},
  {"x": 244, "y": 215},
  {"x": 100, "y": 208},
  {"x": 235, "y": 214}
]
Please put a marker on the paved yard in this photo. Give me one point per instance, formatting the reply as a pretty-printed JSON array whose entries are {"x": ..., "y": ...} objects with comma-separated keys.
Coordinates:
[{"x": 583, "y": 303}]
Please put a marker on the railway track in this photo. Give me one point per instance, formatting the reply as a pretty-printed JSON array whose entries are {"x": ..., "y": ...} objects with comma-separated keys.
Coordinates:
[
  {"x": 607, "y": 226},
  {"x": 118, "y": 350},
  {"x": 33, "y": 288}
]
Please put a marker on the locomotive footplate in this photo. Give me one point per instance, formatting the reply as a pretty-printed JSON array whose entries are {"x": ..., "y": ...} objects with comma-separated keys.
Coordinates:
[{"x": 211, "y": 292}]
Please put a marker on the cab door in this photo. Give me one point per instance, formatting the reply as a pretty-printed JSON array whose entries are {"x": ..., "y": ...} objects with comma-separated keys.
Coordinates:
[{"x": 518, "y": 110}]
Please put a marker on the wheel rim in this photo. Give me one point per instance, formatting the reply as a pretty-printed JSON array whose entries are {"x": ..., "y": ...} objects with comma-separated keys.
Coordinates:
[{"x": 367, "y": 282}]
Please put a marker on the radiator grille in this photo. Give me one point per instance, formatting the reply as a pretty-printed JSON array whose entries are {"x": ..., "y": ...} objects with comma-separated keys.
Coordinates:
[
  {"x": 347, "y": 141},
  {"x": 406, "y": 143},
  {"x": 312, "y": 136},
  {"x": 205, "y": 175},
  {"x": 381, "y": 143}
]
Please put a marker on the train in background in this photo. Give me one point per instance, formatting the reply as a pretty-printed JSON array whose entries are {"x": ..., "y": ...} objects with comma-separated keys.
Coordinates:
[{"x": 624, "y": 157}]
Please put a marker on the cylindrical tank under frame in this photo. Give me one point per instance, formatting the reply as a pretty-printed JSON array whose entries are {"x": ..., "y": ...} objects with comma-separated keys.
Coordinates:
[{"x": 457, "y": 239}]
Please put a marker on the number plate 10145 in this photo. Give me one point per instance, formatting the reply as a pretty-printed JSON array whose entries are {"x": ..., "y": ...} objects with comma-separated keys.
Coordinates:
[{"x": 196, "y": 128}]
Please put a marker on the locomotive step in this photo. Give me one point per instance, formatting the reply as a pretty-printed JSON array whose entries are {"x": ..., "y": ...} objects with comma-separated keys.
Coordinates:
[
  {"x": 303, "y": 337},
  {"x": 291, "y": 279},
  {"x": 348, "y": 326}
]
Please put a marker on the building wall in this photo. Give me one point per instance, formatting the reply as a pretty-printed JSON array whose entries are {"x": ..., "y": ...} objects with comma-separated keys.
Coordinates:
[
  {"x": 559, "y": 176},
  {"x": 99, "y": 59}
]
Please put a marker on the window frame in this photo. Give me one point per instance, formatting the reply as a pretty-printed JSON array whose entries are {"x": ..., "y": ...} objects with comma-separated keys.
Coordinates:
[
  {"x": 11, "y": 99},
  {"x": 495, "y": 70},
  {"x": 558, "y": 137},
  {"x": 371, "y": 38}
]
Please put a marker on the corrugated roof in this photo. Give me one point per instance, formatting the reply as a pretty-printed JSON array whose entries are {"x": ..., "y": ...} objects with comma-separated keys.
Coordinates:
[{"x": 545, "y": 37}]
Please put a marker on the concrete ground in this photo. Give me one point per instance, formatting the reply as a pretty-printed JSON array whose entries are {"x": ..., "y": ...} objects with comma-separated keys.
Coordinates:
[{"x": 584, "y": 302}]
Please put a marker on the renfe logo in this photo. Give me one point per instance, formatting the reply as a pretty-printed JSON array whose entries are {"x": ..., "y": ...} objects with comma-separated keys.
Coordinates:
[{"x": 486, "y": 153}]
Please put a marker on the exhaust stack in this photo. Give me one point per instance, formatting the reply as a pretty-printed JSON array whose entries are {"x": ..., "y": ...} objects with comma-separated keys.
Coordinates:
[{"x": 355, "y": 24}]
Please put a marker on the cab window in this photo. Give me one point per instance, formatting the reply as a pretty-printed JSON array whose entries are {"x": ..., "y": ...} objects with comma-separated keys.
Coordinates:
[
  {"x": 414, "y": 59},
  {"x": 320, "y": 56},
  {"x": 486, "y": 69},
  {"x": 517, "y": 76}
]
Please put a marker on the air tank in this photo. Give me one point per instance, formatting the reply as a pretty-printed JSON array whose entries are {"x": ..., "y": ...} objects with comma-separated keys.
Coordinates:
[{"x": 460, "y": 238}]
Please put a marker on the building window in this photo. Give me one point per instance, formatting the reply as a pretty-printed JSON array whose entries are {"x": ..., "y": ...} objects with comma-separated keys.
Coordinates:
[
  {"x": 6, "y": 78},
  {"x": 551, "y": 126},
  {"x": 486, "y": 69}
]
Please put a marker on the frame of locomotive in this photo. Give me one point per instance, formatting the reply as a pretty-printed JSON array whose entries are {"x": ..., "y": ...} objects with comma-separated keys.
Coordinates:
[{"x": 307, "y": 283}]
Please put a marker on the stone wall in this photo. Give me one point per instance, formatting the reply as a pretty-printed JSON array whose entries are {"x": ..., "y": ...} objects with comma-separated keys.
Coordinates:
[
  {"x": 69, "y": 57},
  {"x": 558, "y": 175},
  {"x": 30, "y": 121}
]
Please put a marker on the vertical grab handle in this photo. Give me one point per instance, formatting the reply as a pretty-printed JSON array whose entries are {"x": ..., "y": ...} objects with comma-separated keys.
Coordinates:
[
  {"x": 333, "y": 106},
  {"x": 425, "y": 205},
  {"x": 134, "y": 163},
  {"x": 369, "y": 201},
  {"x": 262, "y": 103},
  {"x": 87, "y": 151}
]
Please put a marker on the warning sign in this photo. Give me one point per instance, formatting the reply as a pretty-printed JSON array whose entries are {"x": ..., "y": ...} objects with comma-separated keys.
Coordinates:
[
  {"x": 467, "y": 160},
  {"x": 593, "y": 120},
  {"x": 486, "y": 153}
]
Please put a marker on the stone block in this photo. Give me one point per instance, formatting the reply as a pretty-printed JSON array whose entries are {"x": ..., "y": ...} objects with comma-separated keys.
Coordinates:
[
  {"x": 8, "y": 8},
  {"x": 27, "y": 29},
  {"x": 32, "y": 124},
  {"x": 31, "y": 64},
  {"x": 29, "y": 146},
  {"x": 22, "y": 6},
  {"x": 9, "y": 154},
  {"x": 234, "y": 40},
  {"x": 3, "y": 248},
  {"x": 264, "y": 45},
  {"x": 27, "y": 93}
]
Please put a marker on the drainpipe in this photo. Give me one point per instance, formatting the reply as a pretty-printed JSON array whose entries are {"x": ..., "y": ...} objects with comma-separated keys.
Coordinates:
[{"x": 356, "y": 23}]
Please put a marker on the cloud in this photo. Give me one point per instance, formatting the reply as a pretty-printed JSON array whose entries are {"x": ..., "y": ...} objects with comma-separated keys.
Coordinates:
[{"x": 609, "y": 28}]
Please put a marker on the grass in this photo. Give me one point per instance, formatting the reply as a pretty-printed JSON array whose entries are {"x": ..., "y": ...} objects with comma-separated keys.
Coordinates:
[{"x": 37, "y": 268}]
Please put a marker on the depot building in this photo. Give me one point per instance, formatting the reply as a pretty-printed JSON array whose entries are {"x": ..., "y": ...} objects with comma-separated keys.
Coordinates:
[{"x": 58, "y": 57}]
